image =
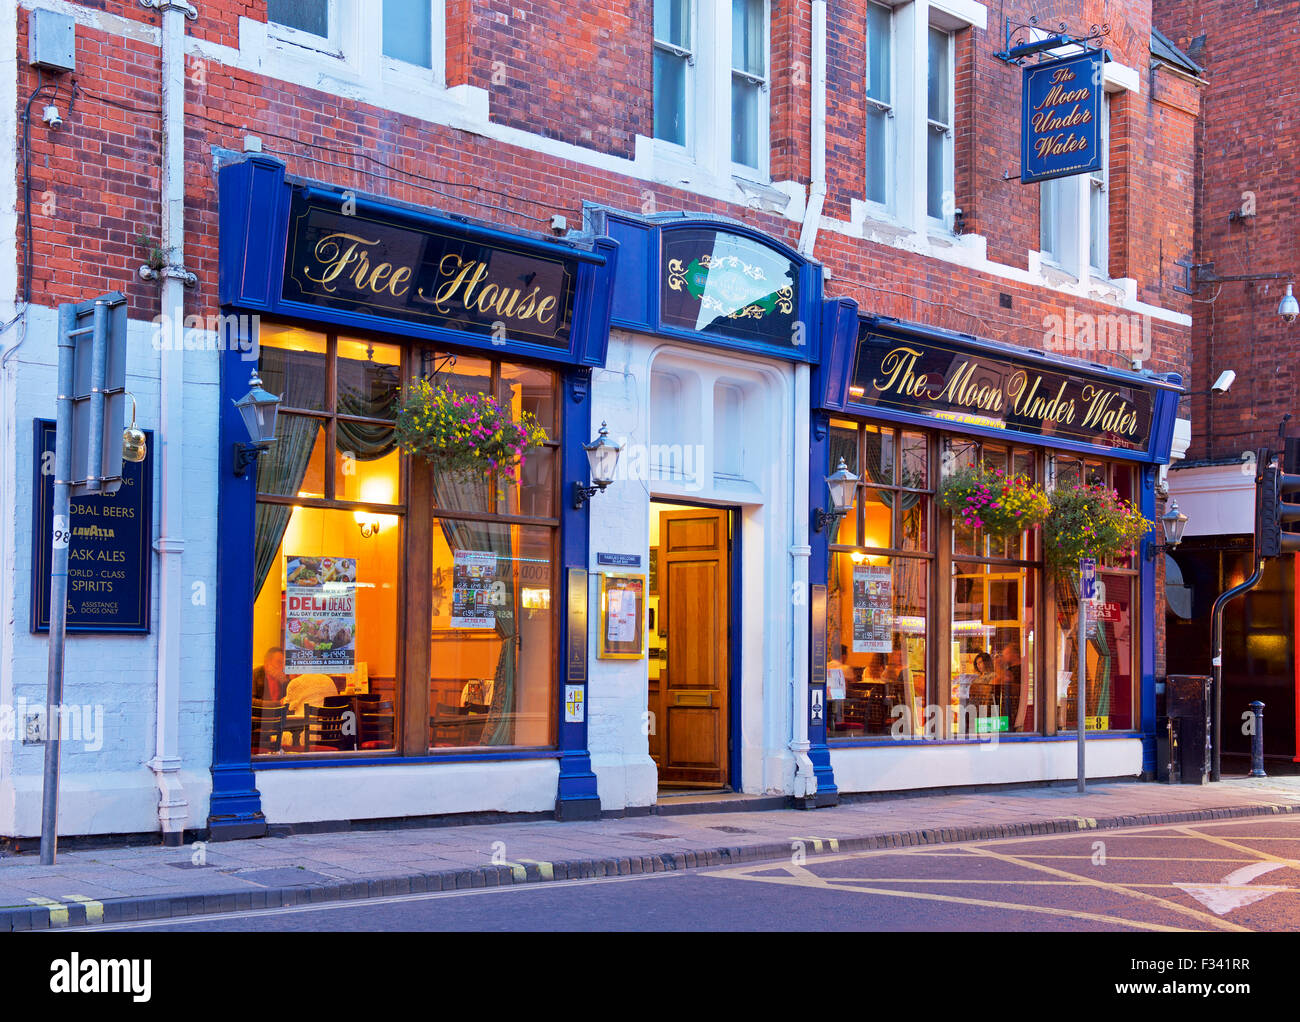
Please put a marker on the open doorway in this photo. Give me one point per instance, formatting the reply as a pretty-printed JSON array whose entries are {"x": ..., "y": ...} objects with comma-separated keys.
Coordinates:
[{"x": 691, "y": 645}]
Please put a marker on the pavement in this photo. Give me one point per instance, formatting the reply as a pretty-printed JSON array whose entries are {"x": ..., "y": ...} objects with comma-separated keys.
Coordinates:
[{"x": 129, "y": 884}]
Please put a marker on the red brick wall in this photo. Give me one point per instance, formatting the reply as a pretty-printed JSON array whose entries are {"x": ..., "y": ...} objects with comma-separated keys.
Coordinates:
[
  {"x": 1248, "y": 138},
  {"x": 587, "y": 80}
]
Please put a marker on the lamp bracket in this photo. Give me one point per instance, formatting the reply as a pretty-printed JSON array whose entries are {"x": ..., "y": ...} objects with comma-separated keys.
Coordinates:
[
  {"x": 824, "y": 520},
  {"x": 1196, "y": 274},
  {"x": 246, "y": 455},
  {"x": 1018, "y": 53}
]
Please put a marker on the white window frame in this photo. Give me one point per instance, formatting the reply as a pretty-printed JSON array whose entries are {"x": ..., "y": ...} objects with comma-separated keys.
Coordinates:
[
  {"x": 691, "y": 53},
  {"x": 948, "y": 184},
  {"x": 707, "y": 152},
  {"x": 1099, "y": 235},
  {"x": 885, "y": 208},
  {"x": 330, "y": 44},
  {"x": 765, "y": 99}
]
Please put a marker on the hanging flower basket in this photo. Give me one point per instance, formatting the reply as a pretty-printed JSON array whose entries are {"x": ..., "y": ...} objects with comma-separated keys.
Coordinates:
[
  {"x": 465, "y": 434},
  {"x": 1002, "y": 505},
  {"x": 1090, "y": 521}
]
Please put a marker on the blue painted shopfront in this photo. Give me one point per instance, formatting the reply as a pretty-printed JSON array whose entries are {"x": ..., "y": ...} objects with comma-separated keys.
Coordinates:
[
  {"x": 1140, "y": 431},
  {"x": 264, "y": 216}
]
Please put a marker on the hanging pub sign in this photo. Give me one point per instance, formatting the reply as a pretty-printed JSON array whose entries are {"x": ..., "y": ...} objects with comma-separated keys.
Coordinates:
[
  {"x": 998, "y": 391},
  {"x": 715, "y": 281},
  {"x": 1061, "y": 130},
  {"x": 367, "y": 263},
  {"x": 109, "y": 554}
]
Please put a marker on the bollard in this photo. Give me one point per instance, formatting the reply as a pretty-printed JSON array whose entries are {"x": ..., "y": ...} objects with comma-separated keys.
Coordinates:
[{"x": 1257, "y": 741}]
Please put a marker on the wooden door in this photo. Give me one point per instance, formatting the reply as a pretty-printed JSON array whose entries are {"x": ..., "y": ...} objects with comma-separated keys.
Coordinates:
[{"x": 694, "y": 581}]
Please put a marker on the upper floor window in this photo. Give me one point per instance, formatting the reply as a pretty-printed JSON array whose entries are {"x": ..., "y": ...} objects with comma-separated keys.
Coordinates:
[
  {"x": 310, "y": 16},
  {"x": 674, "y": 61},
  {"x": 1099, "y": 200},
  {"x": 408, "y": 31},
  {"x": 748, "y": 79},
  {"x": 880, "y": 109},
  {"x": 1074, "y": 216},
  {"x": 939, "y": 102},
  {"x": 711, "y": 75}
]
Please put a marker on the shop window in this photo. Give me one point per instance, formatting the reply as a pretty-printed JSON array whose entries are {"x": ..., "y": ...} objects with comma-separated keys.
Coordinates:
[
  {"x": 1111, "y": 648},
  {"x": 333, "y": 537},
  {"x": 494, "y": 549},
  {"x": 328, "y": 549},
  {"x": 993, "y": 610},
  {"x": 878, "y": 613}
]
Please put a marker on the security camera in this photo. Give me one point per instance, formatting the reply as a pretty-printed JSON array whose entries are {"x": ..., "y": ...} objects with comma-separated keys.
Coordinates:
[
  {"x": 1288, "y": 308},
  {"x": 51, "y": 116},
  {"x": 1225, "y": 380}
]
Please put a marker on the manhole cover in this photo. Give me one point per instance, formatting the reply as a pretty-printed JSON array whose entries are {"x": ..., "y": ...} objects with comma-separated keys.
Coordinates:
[{"x": 189, "y": 865}]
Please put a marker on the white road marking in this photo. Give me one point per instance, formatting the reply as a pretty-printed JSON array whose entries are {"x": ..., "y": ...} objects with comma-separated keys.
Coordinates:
[{"x": 1233, "y": 893}]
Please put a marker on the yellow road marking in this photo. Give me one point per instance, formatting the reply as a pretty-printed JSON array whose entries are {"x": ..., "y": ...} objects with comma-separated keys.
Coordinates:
[
  {"x": 1116, "y": 888},
  {"x": 546, "y": 870},
  {"x": 1258, "y": 853},
  {"x": 58, "y": 912},
  {"x": 94, "y": 909}
]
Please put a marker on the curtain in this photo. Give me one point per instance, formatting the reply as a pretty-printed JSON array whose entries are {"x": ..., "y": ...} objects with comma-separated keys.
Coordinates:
[{"x": 298, "y": 377}]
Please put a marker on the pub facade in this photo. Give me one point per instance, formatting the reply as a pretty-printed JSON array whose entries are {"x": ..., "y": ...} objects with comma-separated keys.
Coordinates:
[{"x": 702, "y": 244}]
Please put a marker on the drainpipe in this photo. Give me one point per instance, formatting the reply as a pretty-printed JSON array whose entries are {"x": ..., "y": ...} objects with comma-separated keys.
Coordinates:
[
  {"x": 173, "y": 806},
  {"x": 805, "y": 780},
  {"x": 817, "y": 134}
]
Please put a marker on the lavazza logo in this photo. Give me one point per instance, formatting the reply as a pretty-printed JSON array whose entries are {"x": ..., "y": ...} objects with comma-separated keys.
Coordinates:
[{"x": 75, "y": 975}]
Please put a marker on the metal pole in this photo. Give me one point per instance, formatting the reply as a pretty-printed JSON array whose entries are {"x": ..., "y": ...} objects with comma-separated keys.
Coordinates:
[
  {"x": 1257, "y": 741},
  {"x": 1081, "y": 686},
  {"x": 58, "y": 585},
  {"x": 1216, "y": 632}
]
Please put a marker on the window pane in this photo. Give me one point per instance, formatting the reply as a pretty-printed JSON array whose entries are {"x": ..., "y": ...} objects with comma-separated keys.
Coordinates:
[
  {"x": 673, "y": 22},
  {"x": 408, "y": 31},
  {"x": 877, "y": 154},
  {"x": 1047, "y": 217},
  {"x": 324, "y": 627},
  {"x": 876, "y": 618},
  {"x": 304, "y": 15},
  {"x": 294, "y": 466},
  {"x": 1097, "y": 228},
  {"x": 936, "y": 146},
  {"x": 291, "y": 363},
  {"x": 491, "y": 668},
  {"x": 1109, "y": 654},
  {"x": 748, "y": 37},
  {"x": 526, "y": 389},
  {"x": 878, "y": 54},
  {"x": 915, "y": 525},
  {"x": 877, "y": 507},
  {"x": 745, "y": 100},
  {"x": 992, "y": 649},
  {"x": 369, "y": 378},
  {"x": 916, "y": 461},
  {"x": 878, "y": 456},
  {"x": 939, "y": 76},
  {"x": 670, "y": 97}
]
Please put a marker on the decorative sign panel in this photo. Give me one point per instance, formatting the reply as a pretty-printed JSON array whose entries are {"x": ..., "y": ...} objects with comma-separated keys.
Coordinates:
[{"x": 1060, "y": 129}]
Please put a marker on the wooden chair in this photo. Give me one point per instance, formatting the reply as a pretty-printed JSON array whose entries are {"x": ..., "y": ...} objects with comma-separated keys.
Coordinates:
[
  {"x": 268, "y": 726},
  {"x": 376, "y": 724},
  {"x": 447, "y": 726},
  {"x": 325, "y": 728}
]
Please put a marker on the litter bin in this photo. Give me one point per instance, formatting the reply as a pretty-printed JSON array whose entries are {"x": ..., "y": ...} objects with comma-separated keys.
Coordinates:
[{"x": 1187, "y": 702}]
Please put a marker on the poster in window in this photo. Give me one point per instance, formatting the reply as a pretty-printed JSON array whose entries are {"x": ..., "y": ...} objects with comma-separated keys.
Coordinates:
[
  {"x": 873, "y": 616},
  {"x": 622, "y": 616},
  {"x": 320, "y": 627},
  {"x": 473, "y": 588}
]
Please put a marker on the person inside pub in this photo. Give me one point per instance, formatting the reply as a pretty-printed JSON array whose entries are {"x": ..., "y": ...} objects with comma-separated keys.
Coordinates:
[{"x": 269, "y": 681}]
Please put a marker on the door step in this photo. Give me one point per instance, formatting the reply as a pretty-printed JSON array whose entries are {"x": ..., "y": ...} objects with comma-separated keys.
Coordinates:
[{"x": 675, "y": 804}]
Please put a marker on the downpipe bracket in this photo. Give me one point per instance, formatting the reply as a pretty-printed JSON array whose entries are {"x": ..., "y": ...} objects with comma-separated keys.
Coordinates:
[
  {"x": 169, "y": 273},
  {"x": 163, "y": 6}
]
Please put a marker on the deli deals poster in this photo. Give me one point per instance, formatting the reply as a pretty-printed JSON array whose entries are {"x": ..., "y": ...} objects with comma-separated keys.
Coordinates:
[
  {"x": 473, "y": 588},
  {"x": 320, "y": 615}
]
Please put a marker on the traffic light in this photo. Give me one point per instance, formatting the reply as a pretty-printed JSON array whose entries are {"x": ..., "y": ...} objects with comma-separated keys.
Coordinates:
[{"x": 1274, "y": 513}]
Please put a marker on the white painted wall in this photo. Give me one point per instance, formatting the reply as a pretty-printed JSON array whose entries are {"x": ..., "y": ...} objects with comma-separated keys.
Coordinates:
[
  {"x": 905, "y": 766},
  {"x": 109, "y": 788},
  {"x": 740, "y": 455}
]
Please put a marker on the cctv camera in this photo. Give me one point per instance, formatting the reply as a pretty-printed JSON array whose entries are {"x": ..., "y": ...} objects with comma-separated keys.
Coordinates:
[
  {"x": 1225, "y": 380},
  {"x": 52, "y": 116},
  {"x": 1288, "y": 308}
]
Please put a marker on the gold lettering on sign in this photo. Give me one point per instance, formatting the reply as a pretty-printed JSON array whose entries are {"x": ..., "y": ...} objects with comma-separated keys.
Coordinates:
[
  {"x": 1108, "y": 412},
  {"x": 463, "y": 278},
  {"x": 344, "y": 257},
  {"x": 897, "y": 367}
]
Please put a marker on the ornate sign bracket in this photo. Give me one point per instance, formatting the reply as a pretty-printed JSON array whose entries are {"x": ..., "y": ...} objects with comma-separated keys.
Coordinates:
[{"x": 1019, "y": 53}]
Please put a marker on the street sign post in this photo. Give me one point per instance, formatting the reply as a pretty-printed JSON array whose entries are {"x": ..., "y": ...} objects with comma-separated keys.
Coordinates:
[
  {"x": 1087, "y": 593},
  {"x": 87, "y": 460}
]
